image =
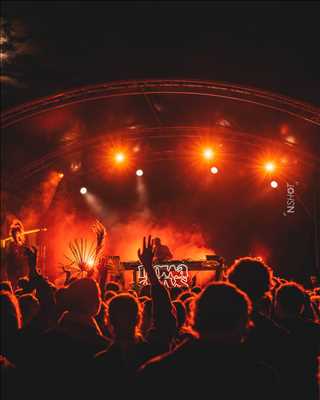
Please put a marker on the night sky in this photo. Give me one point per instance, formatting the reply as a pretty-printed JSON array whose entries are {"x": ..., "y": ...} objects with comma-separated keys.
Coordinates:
[{"x": 60, "y": 45}]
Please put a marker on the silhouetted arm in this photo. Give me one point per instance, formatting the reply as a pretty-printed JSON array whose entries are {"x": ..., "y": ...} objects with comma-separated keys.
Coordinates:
[
  {"x": 67, "y": 280},
  {"x": 164, "y": 323},
  {"x": 102, "y": 279},
  {"x": 45, "y": 290}
]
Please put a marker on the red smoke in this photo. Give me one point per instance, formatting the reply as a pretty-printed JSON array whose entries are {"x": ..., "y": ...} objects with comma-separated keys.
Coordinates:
[
  {"x": 122, "y": 239},
  {"x": 183, "y": 243},
  {"x": 65, "y": 224},
  {"x": 39, "y": 201}
]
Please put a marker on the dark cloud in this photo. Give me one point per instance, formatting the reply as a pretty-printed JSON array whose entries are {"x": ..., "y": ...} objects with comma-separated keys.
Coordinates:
[
  {"x": 14, "y": 44},
  {"x": 11, "y": 81}
]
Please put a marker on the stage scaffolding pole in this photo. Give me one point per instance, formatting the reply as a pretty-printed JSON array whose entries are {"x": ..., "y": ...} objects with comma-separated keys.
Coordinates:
[{"x": 316, "y": 222}]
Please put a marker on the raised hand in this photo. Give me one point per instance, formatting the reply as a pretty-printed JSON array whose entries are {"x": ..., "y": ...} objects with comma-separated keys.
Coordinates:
[
  {"x": 101, "y": 234},
  {"x": 147, "y": 254},
  {"x": 31, "y": 254},
  {"x": 68, "y": 275},
  {"x": 99, "y": 230}
]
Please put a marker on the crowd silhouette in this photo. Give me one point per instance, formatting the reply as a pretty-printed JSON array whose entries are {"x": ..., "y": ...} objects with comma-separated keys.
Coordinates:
[{"x": 250, "y": 335}]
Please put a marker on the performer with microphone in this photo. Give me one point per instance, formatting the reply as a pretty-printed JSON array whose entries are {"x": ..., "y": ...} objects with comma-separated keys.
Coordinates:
[{"x": 14, "y": 261}]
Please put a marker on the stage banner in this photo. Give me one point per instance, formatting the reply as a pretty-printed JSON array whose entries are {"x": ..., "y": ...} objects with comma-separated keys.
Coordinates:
[{"x": 169, "y": 275}]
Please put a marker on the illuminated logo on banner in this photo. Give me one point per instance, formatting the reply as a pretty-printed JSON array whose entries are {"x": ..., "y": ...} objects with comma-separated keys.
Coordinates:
[{"x": 169, "y": 275}]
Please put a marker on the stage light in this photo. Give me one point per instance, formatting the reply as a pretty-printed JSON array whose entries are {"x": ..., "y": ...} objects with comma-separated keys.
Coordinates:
[
  {"x": 139, "y": 172},
  {"x": 61, "y": 175},
  {"x": 208, "y": 153},
  {"x": 90, "y": 262},
  {"x": 270, "y": 166},
  {"x": 136, "y": 149},
  {"x": 291, "y": 139},
  {"x": 224, "y": 123},
  {"x": 83, "y": 190},
  {"x": 3, "y": 39},
  {"x": 214, "y": 170},
  {"x": 3, "y": 56},
  {"x": 119, "y": 158},
  {"x": 75, "y": 166},
  {"x": 274, "y": 184}
]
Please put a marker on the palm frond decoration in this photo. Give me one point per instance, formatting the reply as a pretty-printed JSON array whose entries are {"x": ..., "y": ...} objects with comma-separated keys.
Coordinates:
[{"x": 85, "y": 254}]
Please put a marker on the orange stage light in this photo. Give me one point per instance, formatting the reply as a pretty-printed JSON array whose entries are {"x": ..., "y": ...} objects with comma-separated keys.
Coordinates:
[
  {"x": 208, "y": 153},
  {"x": 119, "y": 158},
  {"x": 139, "y": 172},
  {"x": 83, "y": 190},
  {"x": 270, "y": 166}
]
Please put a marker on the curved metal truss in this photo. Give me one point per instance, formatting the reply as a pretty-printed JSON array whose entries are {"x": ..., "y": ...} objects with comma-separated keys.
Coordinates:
[
  {"x": 238, "y": 93},
  {"x": 156, "y": 133}
]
